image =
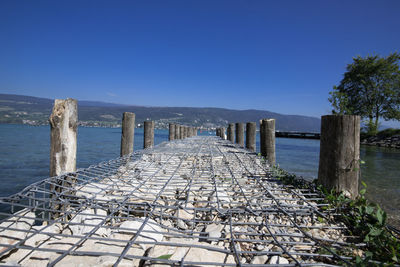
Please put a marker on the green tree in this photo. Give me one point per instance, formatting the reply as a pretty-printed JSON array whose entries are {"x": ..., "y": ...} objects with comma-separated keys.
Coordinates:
[{"x": 370, "y": 88}]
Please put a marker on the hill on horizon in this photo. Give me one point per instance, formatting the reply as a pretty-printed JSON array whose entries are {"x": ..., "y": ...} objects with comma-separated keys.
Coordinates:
[{"x": 36, "y": 111}]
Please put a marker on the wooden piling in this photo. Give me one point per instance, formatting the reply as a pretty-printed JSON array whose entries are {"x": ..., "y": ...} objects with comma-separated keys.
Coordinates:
[
  {"x": 218, "y": 132},
  {"x": 171, "y": 132},
  {"x": 128, "y": 133},
  {"x": 240, "y": 134},
  {"x": 63, "y": 145},
  {"x": 231, "y": 132},
  {"x": 340, "y": 153},
  {"x": 177, "y": 131},
  {"x": 223, "y": 134},
  {"x": 63, "y": 128},
  {"x": 182, "y": 132},
  {"x": 251, "y": 136},
  {"x": 148, "y": 140},
  {"x": 268, "y": 128},
  {"x": 262, "y": 139}
]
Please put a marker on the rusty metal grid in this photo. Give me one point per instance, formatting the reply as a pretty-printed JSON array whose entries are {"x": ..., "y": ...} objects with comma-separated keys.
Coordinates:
[{"x": 202, "y": 201}]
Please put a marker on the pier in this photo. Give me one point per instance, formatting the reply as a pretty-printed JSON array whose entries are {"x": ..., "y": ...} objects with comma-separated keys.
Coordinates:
[{"x": 199, "y": 201}]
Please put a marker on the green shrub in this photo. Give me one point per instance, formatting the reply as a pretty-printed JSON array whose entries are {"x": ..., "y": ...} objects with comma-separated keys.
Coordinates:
[{"x": 364, "y": 220}]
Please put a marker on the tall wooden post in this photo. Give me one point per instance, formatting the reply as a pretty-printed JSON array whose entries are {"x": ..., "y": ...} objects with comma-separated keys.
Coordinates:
[
  {"x": 251, "y": 136},
  {"x": 128, "y": 133},
  {"x": 268, "y": 126},
  {"x": 217, "y": 132},
  {"x": 262, "y": 139},
  {"x": 63, "y": 145},
  {"x": 182, "y": 132},
  {"x": 148, "y": 140},
  {"x": 177, "y": 131},
  {"x": 340, "y": 153},
  {"x": 240, "y": 134},
  {"x": 223, "y": 134},
  {"x": 231, "y": 132},
  {"x": 63, "y": 128},
  {"x": 171, "y": 131}
]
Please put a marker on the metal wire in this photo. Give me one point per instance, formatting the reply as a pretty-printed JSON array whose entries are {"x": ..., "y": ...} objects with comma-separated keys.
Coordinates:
[{"x": 201, "y": 201}]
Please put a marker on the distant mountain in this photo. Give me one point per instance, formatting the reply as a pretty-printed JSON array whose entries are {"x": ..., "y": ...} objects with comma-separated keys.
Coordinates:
[{"x": 35, "y": 110}]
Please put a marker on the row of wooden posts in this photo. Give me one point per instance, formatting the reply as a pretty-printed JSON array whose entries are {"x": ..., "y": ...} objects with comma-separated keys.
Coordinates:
[
  {"x": 235, "y": 134},
  {"x": 63, "y": 129},
  {"x": 177, "y": 131},
  {"x": 339, "y": 159},
  {"x": 339, "y": 145}
]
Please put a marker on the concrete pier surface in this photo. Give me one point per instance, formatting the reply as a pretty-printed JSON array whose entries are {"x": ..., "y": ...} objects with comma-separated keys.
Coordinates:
[{"x": 201, "y": 201}]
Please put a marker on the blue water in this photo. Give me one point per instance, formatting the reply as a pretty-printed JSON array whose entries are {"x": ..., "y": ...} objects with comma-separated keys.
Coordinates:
[{"x": 24, "y": 159}]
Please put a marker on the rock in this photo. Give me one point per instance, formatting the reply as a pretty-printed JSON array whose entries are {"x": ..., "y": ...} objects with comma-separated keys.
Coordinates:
[
  {"x": 91, "y": 190},
  {"x": 278, "y": 260},
  {"x": 45, "y": 235},
  {"x": 151, "y": 232},
  {"x": 260, "y": 247},
  {"x": 205, "y": 255},
  {"x": 181, "y": 224},
  {"x": 190, "y": 253},
  {"x": 214, "y": 231},
  {"x": 259, "y": 219},
  {"x": 85, "y": 221},
  {"x": 19, "y": 224},
  {"x": 259, "y": 259},
  {"x": 183, "y": 214},
  {"x": 223, "y": 196}
]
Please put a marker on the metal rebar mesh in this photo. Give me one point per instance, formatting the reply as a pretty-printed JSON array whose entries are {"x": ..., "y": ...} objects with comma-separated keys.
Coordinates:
[{"x": 201, "y": 201}]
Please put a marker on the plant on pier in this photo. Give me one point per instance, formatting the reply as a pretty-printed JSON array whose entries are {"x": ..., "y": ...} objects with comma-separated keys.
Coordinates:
[
  {"x": 365, "y": 221},
  {"x": 370, "y": 88}
]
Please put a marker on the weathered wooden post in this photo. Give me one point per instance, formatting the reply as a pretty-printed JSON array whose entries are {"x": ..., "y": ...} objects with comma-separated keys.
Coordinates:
[
  {"x": 171, "y": 132},
  {"x": 182, "y": 132},
  {"x": 223, "y": 134},
  {"x": 63, "y": 145},
  {"x": 268, "y": 126},
  {"x": 128, "y": 133},
  {"x": 217, "y": 132},
  {"x": 177, "y": 131},
  {"x": 148, "y": 140},
  {"x": 231, "y": 132},
  {"x": 262, "y": 139},
  {"x": 251, "y": 136},
  {"x": 240, "y": 134},
  {"x": 63, "y": 127},
  {"x": 340, "y": 153},
  {"x": 191, "y": 131}
]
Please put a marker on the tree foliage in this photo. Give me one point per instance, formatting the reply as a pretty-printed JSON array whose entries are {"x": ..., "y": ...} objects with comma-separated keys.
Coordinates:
[{"x": 370, "y": 88}]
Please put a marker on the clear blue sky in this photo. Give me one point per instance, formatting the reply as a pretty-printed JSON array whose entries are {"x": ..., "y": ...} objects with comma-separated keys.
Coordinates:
[{"x": 282, "y": 56}]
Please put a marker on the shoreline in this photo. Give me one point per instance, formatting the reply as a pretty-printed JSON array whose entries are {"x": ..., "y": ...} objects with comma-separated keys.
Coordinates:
[{"x": 389, "y": 142}]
